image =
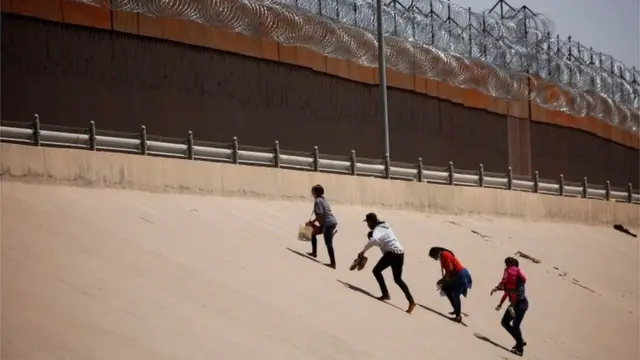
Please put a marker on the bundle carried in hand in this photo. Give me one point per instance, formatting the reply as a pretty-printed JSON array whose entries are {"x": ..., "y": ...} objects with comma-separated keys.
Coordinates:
[
  {"x": 359, "y": 263},
  {"x": 304, "y": 232}
]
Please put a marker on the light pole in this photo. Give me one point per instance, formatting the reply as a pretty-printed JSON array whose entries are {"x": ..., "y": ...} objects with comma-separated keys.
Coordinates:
[{"x": 382, "y": 74}]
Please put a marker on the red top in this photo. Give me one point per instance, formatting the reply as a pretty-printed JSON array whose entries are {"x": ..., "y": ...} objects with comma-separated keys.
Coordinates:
[
  {"x": 512, "y": 283},
  {"x": 450, "y": 264}
]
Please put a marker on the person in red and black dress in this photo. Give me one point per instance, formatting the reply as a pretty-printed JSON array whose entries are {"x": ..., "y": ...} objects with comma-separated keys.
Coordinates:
[
  {"x": 513, "y": 284},
  {"x": 455, "y": 281}
]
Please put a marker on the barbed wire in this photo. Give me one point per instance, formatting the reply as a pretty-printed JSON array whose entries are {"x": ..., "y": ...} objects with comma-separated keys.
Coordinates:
[{"x": 507, "y": 54}]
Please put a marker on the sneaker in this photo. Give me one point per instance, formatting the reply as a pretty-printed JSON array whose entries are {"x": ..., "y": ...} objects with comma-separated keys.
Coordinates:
[
  {"x": 332, "y": 266},
  {"x": 384, "y": 297},
  {"x": 313, "y": 255}
]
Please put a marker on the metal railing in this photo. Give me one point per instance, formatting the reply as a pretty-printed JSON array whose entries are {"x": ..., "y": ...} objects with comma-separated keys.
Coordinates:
[{"x": 141, "y": 143}]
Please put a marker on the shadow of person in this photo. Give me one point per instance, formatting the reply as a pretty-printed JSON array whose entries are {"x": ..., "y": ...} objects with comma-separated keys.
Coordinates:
[
  {"x": 365, "y": 292},
  {"x": 302, "y": 255},
  {"x": 486, "y": 339},
  {"x": 450, "y": 318}
]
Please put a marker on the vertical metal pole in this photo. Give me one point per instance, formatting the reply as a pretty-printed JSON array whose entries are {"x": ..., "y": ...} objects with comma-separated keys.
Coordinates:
[{"x": 382, "y": 74}]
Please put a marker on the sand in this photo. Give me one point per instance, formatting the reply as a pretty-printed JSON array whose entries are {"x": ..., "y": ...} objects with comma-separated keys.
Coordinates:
[{"x": 94, "y": 273}]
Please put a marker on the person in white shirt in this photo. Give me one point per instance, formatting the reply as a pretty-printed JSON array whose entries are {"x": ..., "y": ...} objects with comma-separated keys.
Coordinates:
[{"x": 383, "y": 237}]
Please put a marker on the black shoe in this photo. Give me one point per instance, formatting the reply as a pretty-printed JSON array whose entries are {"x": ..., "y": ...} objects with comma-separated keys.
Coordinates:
[
  {"x": 516, "y": 345},
  {"x": 312, "y": 254},
  {"x": 384, "y": 297},
  {"x": 518, "y": 350}
]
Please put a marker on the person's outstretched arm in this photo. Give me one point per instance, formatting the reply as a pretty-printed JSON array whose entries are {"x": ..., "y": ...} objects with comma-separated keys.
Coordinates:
[
  {"x": 372, "y": 240},
  {"x": 318, "y": 211}
]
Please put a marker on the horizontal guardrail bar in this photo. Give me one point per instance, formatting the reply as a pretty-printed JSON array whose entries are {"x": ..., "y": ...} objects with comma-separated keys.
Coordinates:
[{"x": 33, "y": 134}]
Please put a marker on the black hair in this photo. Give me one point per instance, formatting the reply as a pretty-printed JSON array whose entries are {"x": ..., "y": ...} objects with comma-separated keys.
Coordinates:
[
  {"x": 436, "y": 250},
  {"x": 511, "y": 261},
  {"x": 318, "y": 190}
]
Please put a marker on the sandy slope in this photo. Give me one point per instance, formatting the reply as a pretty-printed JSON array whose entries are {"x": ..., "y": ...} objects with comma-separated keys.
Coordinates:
[{"x": 114, "y": 274}]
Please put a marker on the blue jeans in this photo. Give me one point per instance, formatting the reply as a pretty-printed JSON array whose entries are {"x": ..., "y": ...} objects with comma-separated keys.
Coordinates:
[
  {"x": 327, "y": 233},
  {"x": 455, "y": 287}
]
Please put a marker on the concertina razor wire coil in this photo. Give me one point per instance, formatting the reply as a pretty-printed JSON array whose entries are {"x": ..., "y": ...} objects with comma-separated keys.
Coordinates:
[{"x": 509, "y": 55}]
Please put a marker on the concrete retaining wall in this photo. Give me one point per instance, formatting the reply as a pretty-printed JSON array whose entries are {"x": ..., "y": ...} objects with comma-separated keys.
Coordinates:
[{"x": 86, "y": 168}]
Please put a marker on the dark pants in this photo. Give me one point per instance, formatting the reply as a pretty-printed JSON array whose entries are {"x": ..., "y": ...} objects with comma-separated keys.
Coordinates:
[
  {"x": 454, "y": 298},
  {"x": 396, "y": 261},
  {"x": 327, "y": 233},
  {"x": 512, "y": 323}
]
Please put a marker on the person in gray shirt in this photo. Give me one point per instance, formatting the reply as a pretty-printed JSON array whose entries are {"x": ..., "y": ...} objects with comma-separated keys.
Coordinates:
[{"x": 326, "y": 224}]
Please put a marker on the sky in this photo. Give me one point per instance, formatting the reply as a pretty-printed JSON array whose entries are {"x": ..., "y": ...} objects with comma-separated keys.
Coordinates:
[{"x": 609, "y": 26}]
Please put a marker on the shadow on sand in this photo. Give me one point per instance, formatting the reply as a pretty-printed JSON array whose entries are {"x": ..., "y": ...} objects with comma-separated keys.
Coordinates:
[
  {"x": 303, "y": 255},
  {"x": 486, "y": 339},
  {"x": 365, "y": 292},
  {"x": 307, "y": 257},
  {"x": 450, "y": 318}
]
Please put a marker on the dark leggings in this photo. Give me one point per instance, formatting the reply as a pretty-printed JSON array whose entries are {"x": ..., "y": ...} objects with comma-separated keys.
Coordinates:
[
  {"x": 512, "y": 323},
  {"x": 327, "y": 233},
  {"x": 454, "y": 298},
  {"x": 396, "y": 261}
]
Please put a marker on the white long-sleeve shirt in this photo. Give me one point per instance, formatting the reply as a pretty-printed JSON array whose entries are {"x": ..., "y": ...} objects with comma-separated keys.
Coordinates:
[{"x": 383, "y": 237}]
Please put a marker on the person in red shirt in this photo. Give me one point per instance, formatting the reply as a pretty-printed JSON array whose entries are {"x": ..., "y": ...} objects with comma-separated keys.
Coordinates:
[
  {"x": 513, "y": 284},
  {"x": 455, "y": 281}
]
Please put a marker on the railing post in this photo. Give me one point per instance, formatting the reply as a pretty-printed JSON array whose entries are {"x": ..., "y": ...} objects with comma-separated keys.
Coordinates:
[
  {"x": 585, "y": 188},
  {"x": 536, "y": 181},
  {"x": 143, "y": 140},
  {"x": 276, "y": 154},
  {"x": 190, "y": 151},
  {"x": 387, "y": 166},
  {"x": 450, "y": 175},
  {"x": 36, "y": 130},
  {"x": 316, "y": 159},
  {"x": 481, "y": 175},
  {"x": 630, "y": 193},
  {"x": 92, "y": 135},
  {"x": 420, "y": 170},
  {"x": 561, "y": 185},
  {"x": 510, "y": 179},
  {"x": 354, "y": 164},
  {"x": 607, "y": 190},
  {"x": 235, "y": 148}
]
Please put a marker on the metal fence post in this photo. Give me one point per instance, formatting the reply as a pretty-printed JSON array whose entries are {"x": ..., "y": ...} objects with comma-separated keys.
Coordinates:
[
  {"x": 235, "y": 148},
  {"x": 630, "y": 193},
  {"x": 585, "y": 188},
  {"x": 561, "y": 185},
  {"x": 387, "y": 166},
  {"x": 354, "y": 164},
  {"x": 316, "y": 159},
  {"x": 143, "y": 140},
  {"x": 420, "y": 170},
  {"x": 481, "y": 175},
  {"x": 276, "y": 154},
  {"x": 536, "y": 182},
  {"x": 92, "y": 135},
  {"x": 36, "y": 130},
  {"x": 607, "y": 190},
  {"x": 190, "y": 151},
  {"x": 510, "y": 179},
  {"x": 451, "y": 174}
]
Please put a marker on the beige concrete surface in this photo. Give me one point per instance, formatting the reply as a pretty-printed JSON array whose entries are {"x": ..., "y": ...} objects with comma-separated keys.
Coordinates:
[
  {"x": 97, "y": 273},
  {"x": 82, "y": 167}
]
